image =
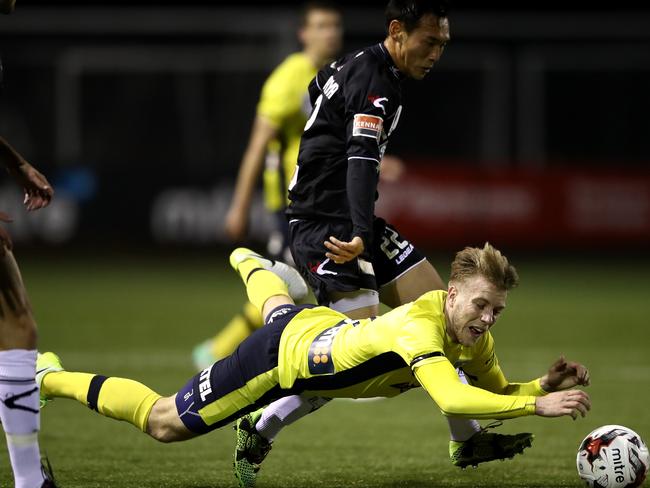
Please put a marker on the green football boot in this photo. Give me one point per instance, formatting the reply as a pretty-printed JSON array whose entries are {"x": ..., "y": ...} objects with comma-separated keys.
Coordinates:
[
  {"x": 485, "y": 446},
  {"x": 250, "y": 451},
  {"x": 203, "y": 355},
  {"x": 47, "y": 362}
]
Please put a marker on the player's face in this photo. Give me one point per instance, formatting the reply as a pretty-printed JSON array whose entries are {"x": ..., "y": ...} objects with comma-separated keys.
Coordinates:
[
  {"x": 423, "y": 46},
  {"x": 473, "y": 306},
  {"x": 323, "y": 33},
  {"x": 7, "y": 6}
]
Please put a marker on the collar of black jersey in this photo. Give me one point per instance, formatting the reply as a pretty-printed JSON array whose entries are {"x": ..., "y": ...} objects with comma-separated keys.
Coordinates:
[{"x": 391, "y": 64}]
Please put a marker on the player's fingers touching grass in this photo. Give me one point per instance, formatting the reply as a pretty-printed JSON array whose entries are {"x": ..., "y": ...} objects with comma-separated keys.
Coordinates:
[
  {"x": 582, "y": 375},
  {"x": 557, "y": 404}
]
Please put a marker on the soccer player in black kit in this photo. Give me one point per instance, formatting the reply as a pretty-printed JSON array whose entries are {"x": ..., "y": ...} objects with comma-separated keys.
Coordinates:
[{"x": 351, "y": 258}]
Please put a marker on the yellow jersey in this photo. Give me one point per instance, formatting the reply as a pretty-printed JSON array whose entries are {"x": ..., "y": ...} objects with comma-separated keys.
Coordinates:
[
  {"x": 284, "y": 102},
  {"x": 323, "y": 351}
]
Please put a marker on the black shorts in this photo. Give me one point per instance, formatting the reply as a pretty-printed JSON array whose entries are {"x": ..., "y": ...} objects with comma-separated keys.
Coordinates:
[
  {"x": 239, "y": 383},
  {"x": 389, "y": 257}
]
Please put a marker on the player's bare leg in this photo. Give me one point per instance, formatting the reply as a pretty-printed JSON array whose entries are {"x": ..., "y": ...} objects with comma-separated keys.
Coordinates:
[
  {"x": 19, "y": 410},
  {"x": 418, "y": 280}
]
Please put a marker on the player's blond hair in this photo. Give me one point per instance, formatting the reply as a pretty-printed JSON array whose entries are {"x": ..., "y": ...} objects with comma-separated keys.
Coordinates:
[{"x": 487, "y": 262}]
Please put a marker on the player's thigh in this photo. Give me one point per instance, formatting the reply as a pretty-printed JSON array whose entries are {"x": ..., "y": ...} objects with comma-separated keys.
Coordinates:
[
  {"x": 418, "y": 280},
  {"x": 17, "y": 332},
  {"x": 17, "y": 325},
  {"x": 331, "y": 281},
  {"x": 403, "y": 272}
]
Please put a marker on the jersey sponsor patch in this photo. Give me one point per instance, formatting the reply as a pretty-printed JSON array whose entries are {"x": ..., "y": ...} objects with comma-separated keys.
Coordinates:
[
  {"x": 320, "y": 351},
  {"x": 367, "y": 126}
]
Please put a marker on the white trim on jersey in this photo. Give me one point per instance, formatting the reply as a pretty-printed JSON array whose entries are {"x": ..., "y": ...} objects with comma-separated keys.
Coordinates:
[{"x": 361, "y": 157}]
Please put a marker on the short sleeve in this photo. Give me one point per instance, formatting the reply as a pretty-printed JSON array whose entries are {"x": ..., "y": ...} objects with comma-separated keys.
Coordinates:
[{"x": 280, "y": 98}]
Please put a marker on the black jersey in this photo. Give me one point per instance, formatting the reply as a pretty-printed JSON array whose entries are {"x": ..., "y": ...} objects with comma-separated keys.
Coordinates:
[{"x": 357, "y": 104}]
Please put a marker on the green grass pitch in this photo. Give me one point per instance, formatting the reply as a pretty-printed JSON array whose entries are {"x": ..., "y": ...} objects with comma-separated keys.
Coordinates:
[{"x": 140, "y": 316}]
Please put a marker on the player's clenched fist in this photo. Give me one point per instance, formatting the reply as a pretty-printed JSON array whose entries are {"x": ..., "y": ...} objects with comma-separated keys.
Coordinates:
[{"x": 571, "y": 402}]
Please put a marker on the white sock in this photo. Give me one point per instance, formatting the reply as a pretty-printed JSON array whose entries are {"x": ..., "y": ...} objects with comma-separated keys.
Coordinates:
[
  {"x": 462, "y": 429},
  {"x": 20, "y": 415},
  {"x": 286, "y": 411}
]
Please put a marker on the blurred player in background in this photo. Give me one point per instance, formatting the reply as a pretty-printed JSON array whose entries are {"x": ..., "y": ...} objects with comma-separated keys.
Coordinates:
[
  {"x": 19, "y": 401},
  {"x": 282, "y": 112},
  {"x": 317, "y": 349}
]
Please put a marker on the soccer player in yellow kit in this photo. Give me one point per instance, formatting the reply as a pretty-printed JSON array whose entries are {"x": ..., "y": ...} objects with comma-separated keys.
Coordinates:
[
  {"x": 282, "y": 111},
  {"x": 311, "y": 348}
]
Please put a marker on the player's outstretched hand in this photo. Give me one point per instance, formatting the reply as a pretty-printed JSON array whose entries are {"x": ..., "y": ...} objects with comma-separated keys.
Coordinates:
[
  {"x": 342, "y": 252},
  {"x": 564, "y": 374},
  {"x": 38, "y": 191},
  {"x": 570, "y": 402}
]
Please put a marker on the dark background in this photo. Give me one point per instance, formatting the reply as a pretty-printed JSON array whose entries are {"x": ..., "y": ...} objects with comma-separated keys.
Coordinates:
[{"x": 139, "y": 111}]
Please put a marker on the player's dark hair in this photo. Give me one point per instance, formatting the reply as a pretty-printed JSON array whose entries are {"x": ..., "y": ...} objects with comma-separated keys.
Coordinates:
[
  {"x": 409, "y": 12},
  {"x": 313, "y": 5}
]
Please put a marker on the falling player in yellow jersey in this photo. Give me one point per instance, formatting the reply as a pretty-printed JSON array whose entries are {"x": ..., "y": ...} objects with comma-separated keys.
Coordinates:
[
  {"x": 316, "y": 349},
  {"x": 282, "y": 112}
]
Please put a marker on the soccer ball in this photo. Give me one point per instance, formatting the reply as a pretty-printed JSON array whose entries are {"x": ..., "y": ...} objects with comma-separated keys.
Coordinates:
[{"x": 613, "y": 456}]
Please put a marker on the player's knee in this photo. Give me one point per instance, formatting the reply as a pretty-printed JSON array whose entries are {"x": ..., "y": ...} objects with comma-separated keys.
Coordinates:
[
  {"x": 162, "y": 431},
  {"x": 163, "y": 423},
  {"x": 164, "y": 434}
]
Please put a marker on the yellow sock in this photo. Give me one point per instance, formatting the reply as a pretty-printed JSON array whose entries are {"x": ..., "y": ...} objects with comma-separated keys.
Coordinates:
[
  {"x": 127, "y": 400},
  {"x": 246, "y": 267},
  {"x": 117, "y": 398},
  {"x": 235, "y": 331},
  {"x": 260, "y": 283},
  {"x": 63, "y": 384}
]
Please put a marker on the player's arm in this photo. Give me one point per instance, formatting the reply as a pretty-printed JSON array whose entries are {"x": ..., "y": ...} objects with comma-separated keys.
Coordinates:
[
  {"x": 263, "y": 131},
  {"x": 562, "y": 375},
  {"x": 38, "y": 191},
  {"x": 458, "y": 399},
  {"x": 364, "y": 125}
]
